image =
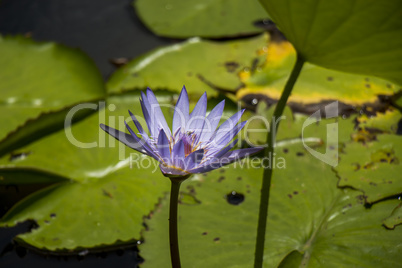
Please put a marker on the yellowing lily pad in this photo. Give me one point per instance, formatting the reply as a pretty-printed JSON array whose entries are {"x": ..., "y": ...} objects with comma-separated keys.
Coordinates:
[
  {"x": 386, "y": 122},
  {"x": 314, "y": 85}
]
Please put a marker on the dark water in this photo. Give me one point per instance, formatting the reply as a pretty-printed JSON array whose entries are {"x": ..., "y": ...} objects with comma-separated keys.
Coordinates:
[{"x": 104, "y": 29}]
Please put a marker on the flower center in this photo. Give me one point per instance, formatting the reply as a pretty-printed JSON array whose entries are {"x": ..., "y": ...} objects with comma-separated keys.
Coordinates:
[{"x": 190, "y": 141}]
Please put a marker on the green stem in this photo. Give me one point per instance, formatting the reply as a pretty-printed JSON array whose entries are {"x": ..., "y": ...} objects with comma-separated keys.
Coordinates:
[
  {"x": 267, "y": 177},
  {"x": 173, "y": 234}
]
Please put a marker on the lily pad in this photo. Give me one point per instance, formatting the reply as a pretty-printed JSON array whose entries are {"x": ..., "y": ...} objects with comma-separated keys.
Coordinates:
[
  {"x": 195, "y": 63},
  {"x": 314, "y": 85},
  {"x": 352, "y": 36},
  {"x": 110, "y": 188},
  {"x": 206, "y": 18},
  {"x": 309, "y": 216},
  {"x": 373, "y": 167},
  {"x": 39, "y": 82}
]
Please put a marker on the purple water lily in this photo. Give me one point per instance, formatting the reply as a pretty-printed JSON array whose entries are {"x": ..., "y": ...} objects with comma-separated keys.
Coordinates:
[{"x": 195, "y": 144}]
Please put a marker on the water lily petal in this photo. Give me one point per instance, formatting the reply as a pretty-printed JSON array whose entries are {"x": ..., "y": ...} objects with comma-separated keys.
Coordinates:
[
  {"x": 178, "y": 155},
  {"x": 226, "y": 159},
  {"x": 241, "y": 153},
  {"x": 181, "y": 112},
  {"x": 226, "y": 149},
  {"x": 156, "y": 113},
  {"x": 212, "y": 156},
  {"x": 137, "y": 124},
  {"x": 212, "y": 122},
  {"x": 197, "y": 116},
  {"x": 228, "y": 125},
  {"x": 127, "y": 139},
  {"x": 163, "y": 147},
  {"x": 152, "y": 127},
  {"x": 193, "y": 159},
  {"x": 225, "y": 139},
  {"x": 147, "y": 147}
]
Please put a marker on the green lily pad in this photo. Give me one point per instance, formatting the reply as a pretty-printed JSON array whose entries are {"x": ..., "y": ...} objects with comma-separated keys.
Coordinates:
[
  {"x": 110, "y": 187},
  {"x": 395, "y": 218},
  {"x": 39, "y": 82},
  {"x": 308, "y": 216},
  {"x": 189, "y": 63},
  {"x": 212, "y": 19},
  {"x": 314, "y": 85},
  {"x": 353, "y": 36},
  {"x": 104, "y": 211},
  {"x": 373, "y": 167}
]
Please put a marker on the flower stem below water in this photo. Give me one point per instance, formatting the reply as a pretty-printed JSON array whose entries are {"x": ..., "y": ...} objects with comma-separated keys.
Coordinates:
[{"x": 267, "y": 177}]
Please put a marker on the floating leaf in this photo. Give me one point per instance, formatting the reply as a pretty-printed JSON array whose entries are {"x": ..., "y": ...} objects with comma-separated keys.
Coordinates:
[
  {"x": 38, "y": 83},
  {"x": 395, "y": 218},
  {"x": 315, "y": 84},
  {"x": 189, "y": 63},
  {"x": 353, "y": 36},
  {"x": 308, "y": 214},
  {"x": 212, "y": 19},
  {"x": 372, "y": 167},
  {"x": 100, "y": 212},
  {"x": 111, "y": 187}
]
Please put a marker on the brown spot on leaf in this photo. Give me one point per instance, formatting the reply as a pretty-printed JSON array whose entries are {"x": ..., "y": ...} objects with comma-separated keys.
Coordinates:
[
  {"x": 356, "y": 166},
  {"x": 231, "y": 66},
  {"x": 106, "y": 193}
]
